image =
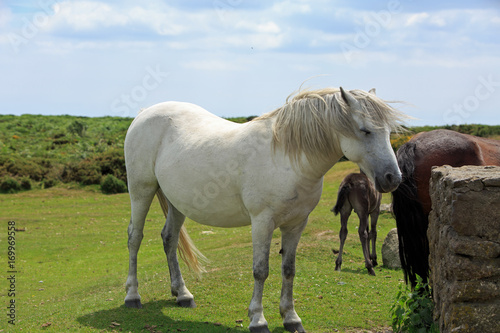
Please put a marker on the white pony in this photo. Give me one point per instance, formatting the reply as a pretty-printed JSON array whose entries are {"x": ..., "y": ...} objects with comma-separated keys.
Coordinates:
[{"x": 267, "y": 173}]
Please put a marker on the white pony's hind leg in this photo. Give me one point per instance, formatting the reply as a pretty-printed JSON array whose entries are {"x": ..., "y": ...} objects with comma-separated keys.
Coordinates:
[
  {"x": 170, "y": 237},
  {"x": 141, "y": 198}
]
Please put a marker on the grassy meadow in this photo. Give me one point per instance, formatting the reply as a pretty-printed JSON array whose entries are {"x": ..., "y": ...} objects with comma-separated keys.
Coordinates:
[
  {"x": 72, "y": 263},
  {"x": 71, "y": 257}
]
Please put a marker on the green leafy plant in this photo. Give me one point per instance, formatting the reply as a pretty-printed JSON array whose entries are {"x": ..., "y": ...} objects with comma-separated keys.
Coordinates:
[
  {"x": 48, "y": 183},
  {"x": 412, "y": 310},
  {"x": 26, "y": 183},
  {"x": 9, "y": 185},
  {"x": 112, "y": 185},
  {"x": 78, "y": 127}
]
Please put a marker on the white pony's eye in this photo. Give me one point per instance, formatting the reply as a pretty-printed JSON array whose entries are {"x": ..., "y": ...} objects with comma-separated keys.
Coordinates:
[{"x": 364, "y": 130}]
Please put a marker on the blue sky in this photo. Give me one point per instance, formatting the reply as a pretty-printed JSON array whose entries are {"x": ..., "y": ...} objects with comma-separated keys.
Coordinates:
[{"x": 242, "y": 58}]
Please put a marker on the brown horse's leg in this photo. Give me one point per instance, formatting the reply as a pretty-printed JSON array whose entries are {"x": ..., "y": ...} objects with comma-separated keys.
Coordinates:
[
  {"x": 373, "y": 236},
  {"x": 363, "y": 237},
  {"x": 344, "y": 216}
]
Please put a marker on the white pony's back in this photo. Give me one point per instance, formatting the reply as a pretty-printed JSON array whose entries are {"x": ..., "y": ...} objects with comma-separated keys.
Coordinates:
[{"x": 209, "y": 168}]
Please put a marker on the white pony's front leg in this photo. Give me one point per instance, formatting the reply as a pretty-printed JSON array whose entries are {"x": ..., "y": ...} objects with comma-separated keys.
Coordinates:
[
  {"x": 262, "y": 233},
  {"x": 290, "y": 238}
]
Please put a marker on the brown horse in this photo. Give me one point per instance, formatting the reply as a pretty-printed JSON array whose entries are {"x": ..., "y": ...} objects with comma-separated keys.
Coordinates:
[
  {"x": 411, "y": 201},
  {"x": 357, "y": 192}
]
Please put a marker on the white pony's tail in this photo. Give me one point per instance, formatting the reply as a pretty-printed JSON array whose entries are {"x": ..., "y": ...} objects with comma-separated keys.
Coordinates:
[{"x": 187, "y": 250}]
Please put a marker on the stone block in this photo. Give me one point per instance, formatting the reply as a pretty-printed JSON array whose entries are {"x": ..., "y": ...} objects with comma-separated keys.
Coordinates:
[
  {"x": 390, "y": 250},
  {"x": 474, "y": 291},
  {"x": 464, "y": 244},
  {"x": 472, "y": 318}
]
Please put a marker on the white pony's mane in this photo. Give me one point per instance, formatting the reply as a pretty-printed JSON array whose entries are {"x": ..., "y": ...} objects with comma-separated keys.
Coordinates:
[{"x": 309, "y": 122}]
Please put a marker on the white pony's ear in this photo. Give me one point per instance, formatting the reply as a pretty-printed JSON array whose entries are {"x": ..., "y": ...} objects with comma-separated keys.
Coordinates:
[
  {"x": 349, "y": 99},
  {"x": 373, "y": 91}
]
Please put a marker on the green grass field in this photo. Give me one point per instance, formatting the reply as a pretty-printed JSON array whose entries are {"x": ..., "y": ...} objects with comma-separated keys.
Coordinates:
[{"x": 72, "y": 262}]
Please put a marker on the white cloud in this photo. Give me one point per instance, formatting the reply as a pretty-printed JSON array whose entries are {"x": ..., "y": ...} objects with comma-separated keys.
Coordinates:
[
  {"x": 414, "y": 19},
  {"x": 94, "y": 16},
  {"x": 454, "y": 19},
  {"x": 86, "y": 15},
  {"x": 162, "y": 22},
  {"x": 289, "y": 7},
  {"x": 266, "y": 27}
]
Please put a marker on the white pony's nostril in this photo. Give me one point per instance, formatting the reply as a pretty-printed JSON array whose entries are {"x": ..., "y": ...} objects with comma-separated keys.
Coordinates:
[
  {"x": 392, "y": 179},
  {"x": 388, "y": 182},
  {"x": 389, "y": 177}
]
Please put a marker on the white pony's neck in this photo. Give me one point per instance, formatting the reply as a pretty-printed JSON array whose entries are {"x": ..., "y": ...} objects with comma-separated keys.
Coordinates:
[
  {"x": 308, "y": 126},
  {"x": 306, "y": 129}
]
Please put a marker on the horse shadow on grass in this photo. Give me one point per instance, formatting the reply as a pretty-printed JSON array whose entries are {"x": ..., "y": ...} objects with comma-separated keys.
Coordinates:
[{"x": 152, "y": 319}]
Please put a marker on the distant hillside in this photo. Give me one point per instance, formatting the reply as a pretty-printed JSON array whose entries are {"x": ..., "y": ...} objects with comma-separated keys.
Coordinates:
[
  {"x": 41, "y": 151},
  {"x": 485, "y": 131}
]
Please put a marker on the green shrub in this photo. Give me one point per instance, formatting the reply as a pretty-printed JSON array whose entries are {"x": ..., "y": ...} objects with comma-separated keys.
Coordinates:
[
  {"x": 88, "y": 173},
  {"x": 9, "y": 185},
  {"x": 48, "y": 183},
  {"x": 78, "y": 127},
  {"x": 112, "y": 162},
  {"x": 91, "y": 170},
  {"x": 112, "y": 185},
  {"x": 85, "y": 172},
  {"x": 26, "y": 183},
  {"x": 412, "y": 310},
  {"x": 21, "y": 167}
]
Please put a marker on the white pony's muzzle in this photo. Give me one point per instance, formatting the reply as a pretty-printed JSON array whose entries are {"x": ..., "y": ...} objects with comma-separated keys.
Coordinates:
[{"x": 388, "y": 182}]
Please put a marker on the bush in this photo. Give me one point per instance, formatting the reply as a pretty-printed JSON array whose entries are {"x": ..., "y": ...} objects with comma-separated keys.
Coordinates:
[
  {"x": 112, "y": 185},
  {"x": 91, "y": 170},
  {"x": 78, "y": 127},
  {"x": 84, "y": 172},
  {"x": 21, "y": 167},
  {"x": 26, "y": 183},
  {"x": 48, "y": 183},
  {"x": 112, "y": 162},
  {"x": 9, "y": 185},
  {"x": 412, "y": 310}
]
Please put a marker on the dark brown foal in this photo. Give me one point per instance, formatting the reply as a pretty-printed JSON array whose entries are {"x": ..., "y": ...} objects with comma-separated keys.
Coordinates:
[{"x": 357, "y": 192}]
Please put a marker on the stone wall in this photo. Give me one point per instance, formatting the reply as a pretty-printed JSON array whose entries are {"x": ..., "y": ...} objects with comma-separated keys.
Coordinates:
[{"x": 464, "y": 241}]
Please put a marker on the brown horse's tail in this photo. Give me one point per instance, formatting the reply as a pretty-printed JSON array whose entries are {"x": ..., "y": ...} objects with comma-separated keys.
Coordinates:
[
  {"x": 411, "y": 221},
  {"x": 341, "y": 198},
  {"x": 187, "y": 250}
]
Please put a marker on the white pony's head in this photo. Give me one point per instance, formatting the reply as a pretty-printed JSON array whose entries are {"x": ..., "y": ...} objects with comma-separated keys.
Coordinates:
[
  {"x": 368, "y": 144},
  {"x": 323, "y": 124}
]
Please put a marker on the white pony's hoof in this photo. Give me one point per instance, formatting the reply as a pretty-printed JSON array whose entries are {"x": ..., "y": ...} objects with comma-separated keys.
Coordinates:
[
  {"x": 259, "y": 329},
  {"x": 295, "y": 327},
  {"x": 133, "y": 303},
  {"x": 187, "y": 303}
]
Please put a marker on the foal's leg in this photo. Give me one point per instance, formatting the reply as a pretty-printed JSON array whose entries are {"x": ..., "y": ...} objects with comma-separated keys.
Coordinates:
[
  {"x": 345, "y": 212},
  {"x": 170, "y": 237},
  {"x": 262, "y": 233},
  {"x": 363, "y": 237},
  {"x": 290, "y": 239},
  {"x": 373, "y": 236},
  {"x": 140, "y": 196}
]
